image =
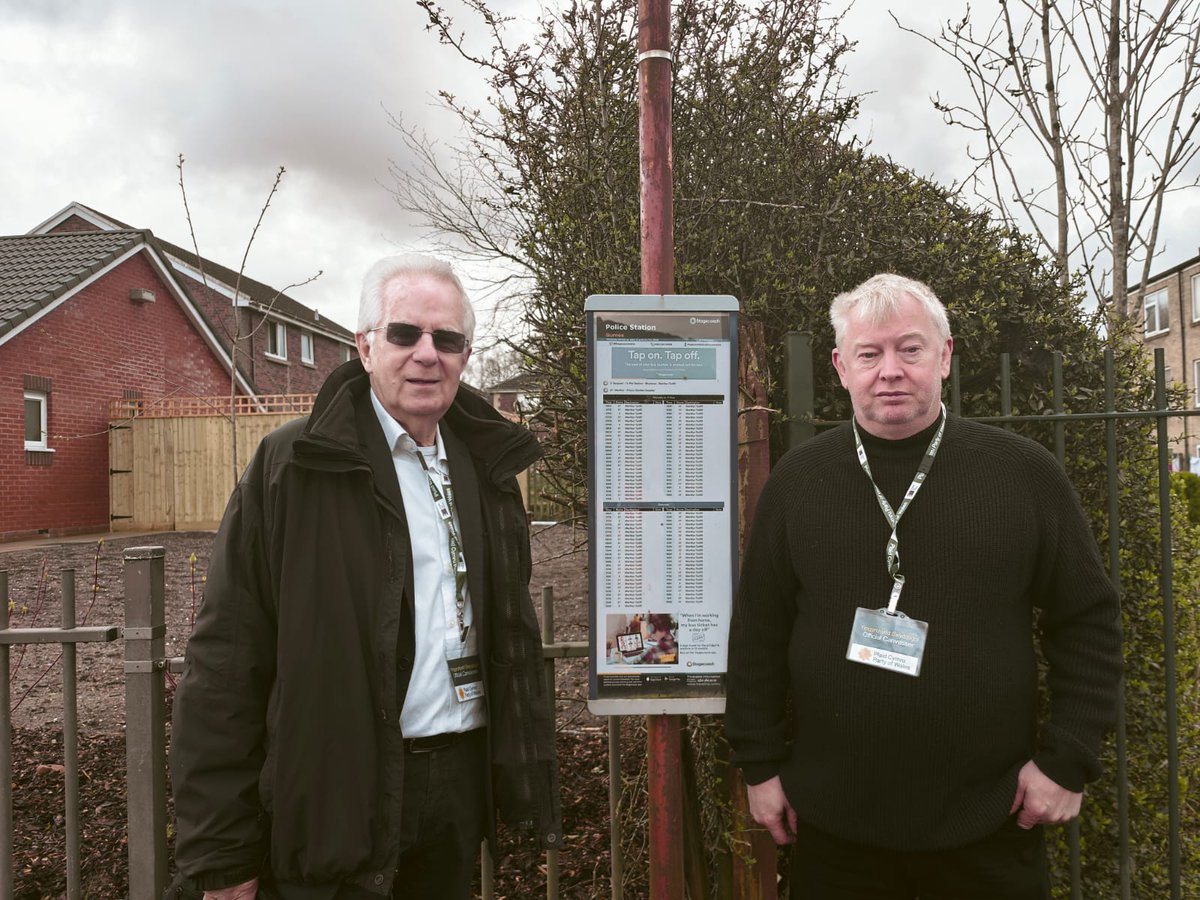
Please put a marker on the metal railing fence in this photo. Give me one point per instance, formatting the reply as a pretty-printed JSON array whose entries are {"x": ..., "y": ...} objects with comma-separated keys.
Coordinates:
[
  {"x": 69, "y": 636},
  {"x": 145, "y": 727}
]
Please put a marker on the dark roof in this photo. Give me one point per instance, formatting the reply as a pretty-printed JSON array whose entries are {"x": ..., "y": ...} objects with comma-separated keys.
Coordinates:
[
  {"x": 37, "y": 269},
  {"x": 1166, "y": 273},
  {"x": 262, "y": 295}
]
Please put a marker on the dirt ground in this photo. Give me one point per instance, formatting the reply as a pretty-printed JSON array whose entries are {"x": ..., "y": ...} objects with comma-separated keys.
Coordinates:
[{"x": 35, "y": 593}]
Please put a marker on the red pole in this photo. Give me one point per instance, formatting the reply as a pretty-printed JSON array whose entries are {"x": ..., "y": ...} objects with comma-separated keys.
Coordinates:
[
  {"x": 654, "y": 129},
  {"x": 665, "y": 801}
]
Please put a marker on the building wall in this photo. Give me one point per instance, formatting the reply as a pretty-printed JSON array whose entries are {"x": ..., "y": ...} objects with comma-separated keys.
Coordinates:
[
  {"x": 95, "y": 346},
  {"x": 73, "y": 224},
  {"x": 269, "y": 375},
  {"x": 1180, "y": 343}
]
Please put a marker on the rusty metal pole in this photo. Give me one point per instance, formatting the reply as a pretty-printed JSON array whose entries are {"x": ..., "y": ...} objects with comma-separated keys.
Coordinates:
[
  {"x": 654, "y": 134},
  {"x": 665, "y": 801}
]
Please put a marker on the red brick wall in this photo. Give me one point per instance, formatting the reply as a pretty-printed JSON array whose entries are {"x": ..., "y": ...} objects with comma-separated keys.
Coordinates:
[
  {"x": 95, "y": 346},
  {"x": 269, "y": 375},
  {"x": 73, "y": 223}
]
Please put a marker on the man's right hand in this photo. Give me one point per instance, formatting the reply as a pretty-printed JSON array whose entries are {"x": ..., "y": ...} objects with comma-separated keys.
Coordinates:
[
  {"x": 245, "y": 891},
  {"x": 770, "y": 808}
]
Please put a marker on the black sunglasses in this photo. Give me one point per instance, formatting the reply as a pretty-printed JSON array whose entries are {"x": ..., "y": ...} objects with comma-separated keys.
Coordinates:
[{"x": 404, "y": 335}]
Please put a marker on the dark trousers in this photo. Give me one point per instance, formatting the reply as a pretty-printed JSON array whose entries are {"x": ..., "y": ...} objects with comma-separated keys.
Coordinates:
[
  {"x": 1007, "y": 865},
  {"x": 444, "y": 818}
]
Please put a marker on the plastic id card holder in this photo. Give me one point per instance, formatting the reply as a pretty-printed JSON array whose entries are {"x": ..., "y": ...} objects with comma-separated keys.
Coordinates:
[
  {"x": 892, "y": 642},
  {"x": 467, "y": 676}
]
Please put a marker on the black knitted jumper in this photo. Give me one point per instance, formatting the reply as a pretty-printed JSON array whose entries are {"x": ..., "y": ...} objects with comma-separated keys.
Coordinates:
[{"x": 929, "y": 762}]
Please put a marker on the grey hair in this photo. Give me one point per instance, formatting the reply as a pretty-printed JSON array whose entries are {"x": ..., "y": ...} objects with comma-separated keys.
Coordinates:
[
  {"x": 877, "y": 300},
  {"x": 407, "y": 265}
]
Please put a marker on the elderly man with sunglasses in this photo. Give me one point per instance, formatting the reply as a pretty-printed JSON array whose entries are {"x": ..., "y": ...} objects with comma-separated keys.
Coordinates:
[{"x": 363, "y": 691}]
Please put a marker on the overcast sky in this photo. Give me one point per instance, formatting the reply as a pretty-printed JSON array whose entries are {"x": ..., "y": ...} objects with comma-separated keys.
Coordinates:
[{"x": 99, "y": 97}]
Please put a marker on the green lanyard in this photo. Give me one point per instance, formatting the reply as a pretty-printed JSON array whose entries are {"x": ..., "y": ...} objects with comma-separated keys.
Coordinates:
[
  {"x": 893, "y": 517},
  {"x": 445, "y": 508}
]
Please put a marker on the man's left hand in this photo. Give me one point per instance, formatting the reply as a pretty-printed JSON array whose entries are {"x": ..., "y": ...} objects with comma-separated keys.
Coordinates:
[{"x": 1042, "y": 801}]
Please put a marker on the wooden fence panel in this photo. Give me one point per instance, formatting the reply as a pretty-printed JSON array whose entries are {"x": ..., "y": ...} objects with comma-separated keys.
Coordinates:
[
  {"x": 251, "y": 431},
  {"x": 153, "y": 474},
  {"x": 174, "y": 473},
  {"x": 203, "y": 472}
]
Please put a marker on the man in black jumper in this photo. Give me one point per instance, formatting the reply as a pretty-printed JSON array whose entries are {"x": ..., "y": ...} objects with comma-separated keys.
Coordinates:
[{"x": 889, "y": 591}]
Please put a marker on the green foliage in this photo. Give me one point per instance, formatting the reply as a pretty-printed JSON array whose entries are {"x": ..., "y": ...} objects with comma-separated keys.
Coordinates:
[
  {"x": 1186, "y": 486},
  {"x": 773, "y": 206},
  {"x": 1139, "y": 543}
]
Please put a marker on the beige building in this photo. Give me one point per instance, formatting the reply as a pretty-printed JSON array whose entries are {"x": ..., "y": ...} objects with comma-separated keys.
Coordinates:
[{"x": 1169, "y": 312}]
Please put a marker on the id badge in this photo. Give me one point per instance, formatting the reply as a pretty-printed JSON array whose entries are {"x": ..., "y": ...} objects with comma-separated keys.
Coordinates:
[
  {"x": 893, "y": 642},
  {"x": 467, "y": 675}
]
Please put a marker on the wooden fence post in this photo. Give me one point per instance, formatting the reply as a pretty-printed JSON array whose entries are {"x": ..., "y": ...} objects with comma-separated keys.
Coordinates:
[{"x": 145, "y": 722}]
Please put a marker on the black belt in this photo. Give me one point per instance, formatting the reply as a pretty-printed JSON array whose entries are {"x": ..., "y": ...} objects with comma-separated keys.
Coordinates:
[{"x": 437, "y": 741}]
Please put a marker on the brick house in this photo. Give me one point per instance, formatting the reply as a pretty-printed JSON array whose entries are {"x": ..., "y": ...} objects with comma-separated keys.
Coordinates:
[
  {"x": 1168, "y": 311},
  {"x": 284, "y": 347},
  {"x": 92, "y": 312}
]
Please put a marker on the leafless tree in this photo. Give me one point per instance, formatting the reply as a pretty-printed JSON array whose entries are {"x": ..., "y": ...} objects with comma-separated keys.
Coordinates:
[
  {"x": 1086, "y": 111},
  {"x": 233, "y": 327}
]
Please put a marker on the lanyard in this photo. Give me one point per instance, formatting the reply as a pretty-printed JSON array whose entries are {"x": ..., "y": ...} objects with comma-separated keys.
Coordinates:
[
  {"x": 893, "y": 517},
  {"x": 445, "y": 508}
]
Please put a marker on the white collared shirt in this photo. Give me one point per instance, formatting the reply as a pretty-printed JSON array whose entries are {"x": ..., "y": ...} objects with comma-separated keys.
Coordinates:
[{"x": 430, "y": 706}]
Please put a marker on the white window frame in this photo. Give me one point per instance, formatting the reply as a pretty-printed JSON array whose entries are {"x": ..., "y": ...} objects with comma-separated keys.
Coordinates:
[
  {"x": 279, "y": 330},
  {"x": 43, "y": 400},
  {"x": 1196, "y": 298},
  {"x": 1156, "y": 300},
  {"x": 347, "y": 353},
  {"x": 1196, "y": 383},
  {"x": 308, "y": 348}
]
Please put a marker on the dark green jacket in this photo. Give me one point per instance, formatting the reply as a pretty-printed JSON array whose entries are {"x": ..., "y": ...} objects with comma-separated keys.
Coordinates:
[{"x": 286, "y": 750}]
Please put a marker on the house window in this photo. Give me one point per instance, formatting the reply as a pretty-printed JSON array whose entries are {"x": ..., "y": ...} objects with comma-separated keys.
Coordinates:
[
  {"x": 36, "y": 433},
  {"x": 1196, "y": 298},
  {"x": 1155, "y": 306},
  {"x": 307, "y": 354},
  {"x": 276, "y": 340},
  {"x": 347, "y": 351},
  {"x": 1196, "y": 382}
]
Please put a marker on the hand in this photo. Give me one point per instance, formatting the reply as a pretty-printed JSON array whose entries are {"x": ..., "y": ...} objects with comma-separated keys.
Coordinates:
[
  {"x": 1041, "y": 800},
  {"x": 245, "y": 891},
  {"x": 769, "y": 807}
]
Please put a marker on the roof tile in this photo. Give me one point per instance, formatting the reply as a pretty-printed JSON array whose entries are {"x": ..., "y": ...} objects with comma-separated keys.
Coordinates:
[{"x": 37, "y": 269}]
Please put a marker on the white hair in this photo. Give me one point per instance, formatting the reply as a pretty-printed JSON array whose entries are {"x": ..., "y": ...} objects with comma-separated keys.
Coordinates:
[
  {"x": 407, "y": 265},
  {"x": 878, "y": 298}
]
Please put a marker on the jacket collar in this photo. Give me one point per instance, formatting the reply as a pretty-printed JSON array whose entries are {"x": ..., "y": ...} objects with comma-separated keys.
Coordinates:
[{"x": 338, "y": 436}]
